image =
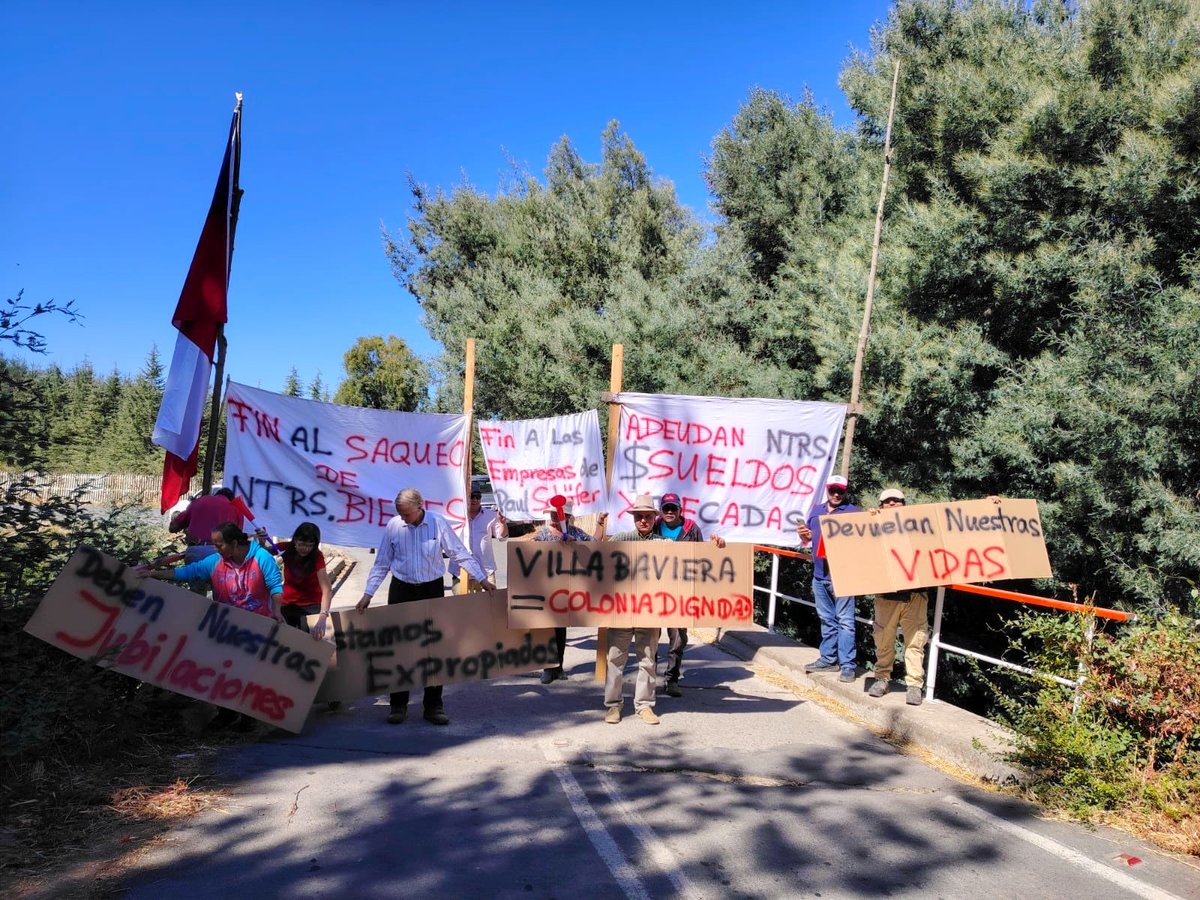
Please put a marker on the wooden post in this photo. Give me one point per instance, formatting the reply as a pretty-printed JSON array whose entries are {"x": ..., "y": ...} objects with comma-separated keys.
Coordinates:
[
  {"x": 614, "y": 425},
  {"x": 855, "y": 407},
  {"x": 469, "y": 412}
]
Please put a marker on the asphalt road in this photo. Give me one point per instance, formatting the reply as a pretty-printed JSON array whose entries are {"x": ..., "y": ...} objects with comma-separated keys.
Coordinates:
[{"x": 746, "y": 789}]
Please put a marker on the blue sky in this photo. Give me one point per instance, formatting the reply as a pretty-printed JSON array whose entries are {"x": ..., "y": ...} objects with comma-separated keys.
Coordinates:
[{"x": 117, "y": 113}]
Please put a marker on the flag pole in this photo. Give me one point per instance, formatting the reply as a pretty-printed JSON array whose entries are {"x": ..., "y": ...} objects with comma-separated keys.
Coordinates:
[
  {"x": 235, "y": 200},
  {"x": 855, "y": 408}
]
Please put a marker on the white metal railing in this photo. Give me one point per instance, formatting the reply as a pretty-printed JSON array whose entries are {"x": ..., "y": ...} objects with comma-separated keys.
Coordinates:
[{"x": 936, "y": 644}]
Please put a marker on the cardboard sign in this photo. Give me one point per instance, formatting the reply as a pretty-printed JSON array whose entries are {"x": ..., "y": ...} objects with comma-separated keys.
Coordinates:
[
  {"x": 167, "y": 636},
  {"x": 909, "y": 547},
  {"x": 629, "y": 584},
  {"x": 295, "y": 460},
  {"x": 450, "y": 640},
  {"x": 747, "y": 469},
  {"x": 531, "y": 460}
]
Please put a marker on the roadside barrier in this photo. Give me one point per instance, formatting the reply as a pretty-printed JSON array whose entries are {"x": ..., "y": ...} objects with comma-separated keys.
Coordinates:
[{"x": 936, "y": 645}]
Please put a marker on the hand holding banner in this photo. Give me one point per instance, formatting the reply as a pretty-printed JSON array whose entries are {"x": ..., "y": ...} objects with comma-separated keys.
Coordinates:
[
  {"x": 339, "y": 467},
  {"x": 629, "y": 584},
  {"x": 747, "y": 469},
  {"x": 530, "y": 461},
  {"x": 450, "y": 640},
  {"x": 931, "y": 544},
  {"x": 167, "y": 636}
]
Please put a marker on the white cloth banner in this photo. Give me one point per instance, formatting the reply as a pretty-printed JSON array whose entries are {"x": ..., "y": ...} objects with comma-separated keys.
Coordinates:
[
  {"x": 531, "y": 460},
  {"x": 748, "y": 470},
  {"x": 339, "y": 467}
]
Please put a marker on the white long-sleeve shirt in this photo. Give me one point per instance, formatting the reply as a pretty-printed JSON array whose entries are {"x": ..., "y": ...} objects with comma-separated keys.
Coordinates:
[
  {"x": 413, "y": 553},
  {"x": 479, "y": 531}
]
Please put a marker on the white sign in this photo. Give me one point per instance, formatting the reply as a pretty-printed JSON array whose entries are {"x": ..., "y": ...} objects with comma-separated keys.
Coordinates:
[
  {"x": 532, "y": 460},
  {"x": 748, "y": 470},
  {"x": 340, "y": 467}
]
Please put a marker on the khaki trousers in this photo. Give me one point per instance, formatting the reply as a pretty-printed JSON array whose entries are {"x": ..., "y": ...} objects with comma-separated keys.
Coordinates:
[
  {"x": 912, "y": 617},
  {"x": 645, "y": 644}
]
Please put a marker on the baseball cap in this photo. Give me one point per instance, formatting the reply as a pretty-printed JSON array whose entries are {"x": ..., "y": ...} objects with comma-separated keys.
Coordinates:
[
  {"x": 671, "y": 500},
  {"x": 837, "y": 481},
  {"x": 891, "y": 494}
]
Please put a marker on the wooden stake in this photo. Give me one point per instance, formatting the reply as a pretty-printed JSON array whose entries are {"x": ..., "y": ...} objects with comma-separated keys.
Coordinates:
[
  {"x": 614, "y": 425},
  {"x": 469, "y": 412},
  {"x": 855, "y": 407}
]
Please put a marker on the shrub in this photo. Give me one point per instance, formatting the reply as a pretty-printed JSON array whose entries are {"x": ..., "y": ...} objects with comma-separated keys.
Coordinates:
[{"x": 1126, "y": 745}]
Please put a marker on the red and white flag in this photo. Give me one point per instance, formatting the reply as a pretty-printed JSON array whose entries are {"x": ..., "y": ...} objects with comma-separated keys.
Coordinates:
[{"x": 199, "y": 315}]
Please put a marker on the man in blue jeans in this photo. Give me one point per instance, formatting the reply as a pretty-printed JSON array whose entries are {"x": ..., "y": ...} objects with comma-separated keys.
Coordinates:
[{"x": 836, "y": 613}]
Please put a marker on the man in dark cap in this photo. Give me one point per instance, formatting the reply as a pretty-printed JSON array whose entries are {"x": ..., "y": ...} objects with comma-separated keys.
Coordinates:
[
  {"x": 836, "y": 613},
  {"x": 672, "y": 526}
]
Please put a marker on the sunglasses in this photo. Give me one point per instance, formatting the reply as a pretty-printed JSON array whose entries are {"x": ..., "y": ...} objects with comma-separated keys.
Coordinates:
[{"x": 835, "y": 490}]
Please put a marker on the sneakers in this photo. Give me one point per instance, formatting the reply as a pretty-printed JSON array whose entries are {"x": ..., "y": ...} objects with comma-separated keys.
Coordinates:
[
  {"x": 549, "y": 675},
  {"x": 847, "y": 676},
  {"x": 673, "y": 689},
  {"x": 879, "y": 688},
  {"x": 613, "y": 716},
  {"x": 397, "y": 715},
  {"x": 437, "y": 716},
  {"x": 821, "y": 666},
  {"x": 646, "y": 714},
  {"x": 914, "y": 697}
]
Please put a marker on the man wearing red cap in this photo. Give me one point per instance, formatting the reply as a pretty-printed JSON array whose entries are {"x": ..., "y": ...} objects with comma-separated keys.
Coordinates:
[
  {"x": 836, "y": 613},
  {"x": 559, "y": 526},
  {"x": 672, "y": 526}
]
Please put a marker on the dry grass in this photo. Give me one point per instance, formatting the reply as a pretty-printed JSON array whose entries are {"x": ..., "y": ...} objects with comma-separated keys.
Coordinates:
[
  {"x": 70, "y": 839},
  {"x": 1179, "y": 835},
  {"x": 178, "y": 801}
]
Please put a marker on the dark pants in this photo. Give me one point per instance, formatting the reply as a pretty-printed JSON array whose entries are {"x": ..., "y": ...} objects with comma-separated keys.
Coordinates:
[
  {"x": 560, "y": 641},
  {"x": 678, "y": 639},
  {"x": 296, "y": 614},
  {"x": 403, "y": 592}
]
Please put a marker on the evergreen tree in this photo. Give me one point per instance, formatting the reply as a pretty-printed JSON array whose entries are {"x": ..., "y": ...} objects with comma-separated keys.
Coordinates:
[
  {"x": 548, "y": 276},
  {"x": 23, "y": 435},
  {"x": 129, "y": 445},
  {"x": 1040, "y": 288},
  {"x": 77, "y": 432},
  {"x": 291, "y": 387},
  {"x": 382, "y": 374}
]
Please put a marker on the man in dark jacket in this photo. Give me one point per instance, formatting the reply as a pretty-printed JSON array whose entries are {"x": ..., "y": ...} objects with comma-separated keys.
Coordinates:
[{"x": 672, "y": 526}]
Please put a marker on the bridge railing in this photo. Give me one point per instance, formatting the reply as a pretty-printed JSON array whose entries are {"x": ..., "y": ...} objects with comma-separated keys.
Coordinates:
[{"x": 936, "y": 645}]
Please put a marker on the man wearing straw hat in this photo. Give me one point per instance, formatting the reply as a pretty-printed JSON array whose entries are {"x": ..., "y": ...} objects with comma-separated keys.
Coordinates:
[
  {"x": 910, "y": 611},
  {"x": 645, "y": 640}
]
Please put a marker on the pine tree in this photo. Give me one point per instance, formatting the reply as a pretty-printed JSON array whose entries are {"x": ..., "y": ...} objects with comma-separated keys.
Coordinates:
[
  {"x": 291, "y": 387},
  {"x": 130, "y": 448}
]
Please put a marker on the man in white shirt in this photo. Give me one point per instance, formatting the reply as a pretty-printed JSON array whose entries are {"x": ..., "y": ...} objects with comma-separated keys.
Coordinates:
[
  {"x": 411, "y": 549},
  {"x": 482, "y": 526}
]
